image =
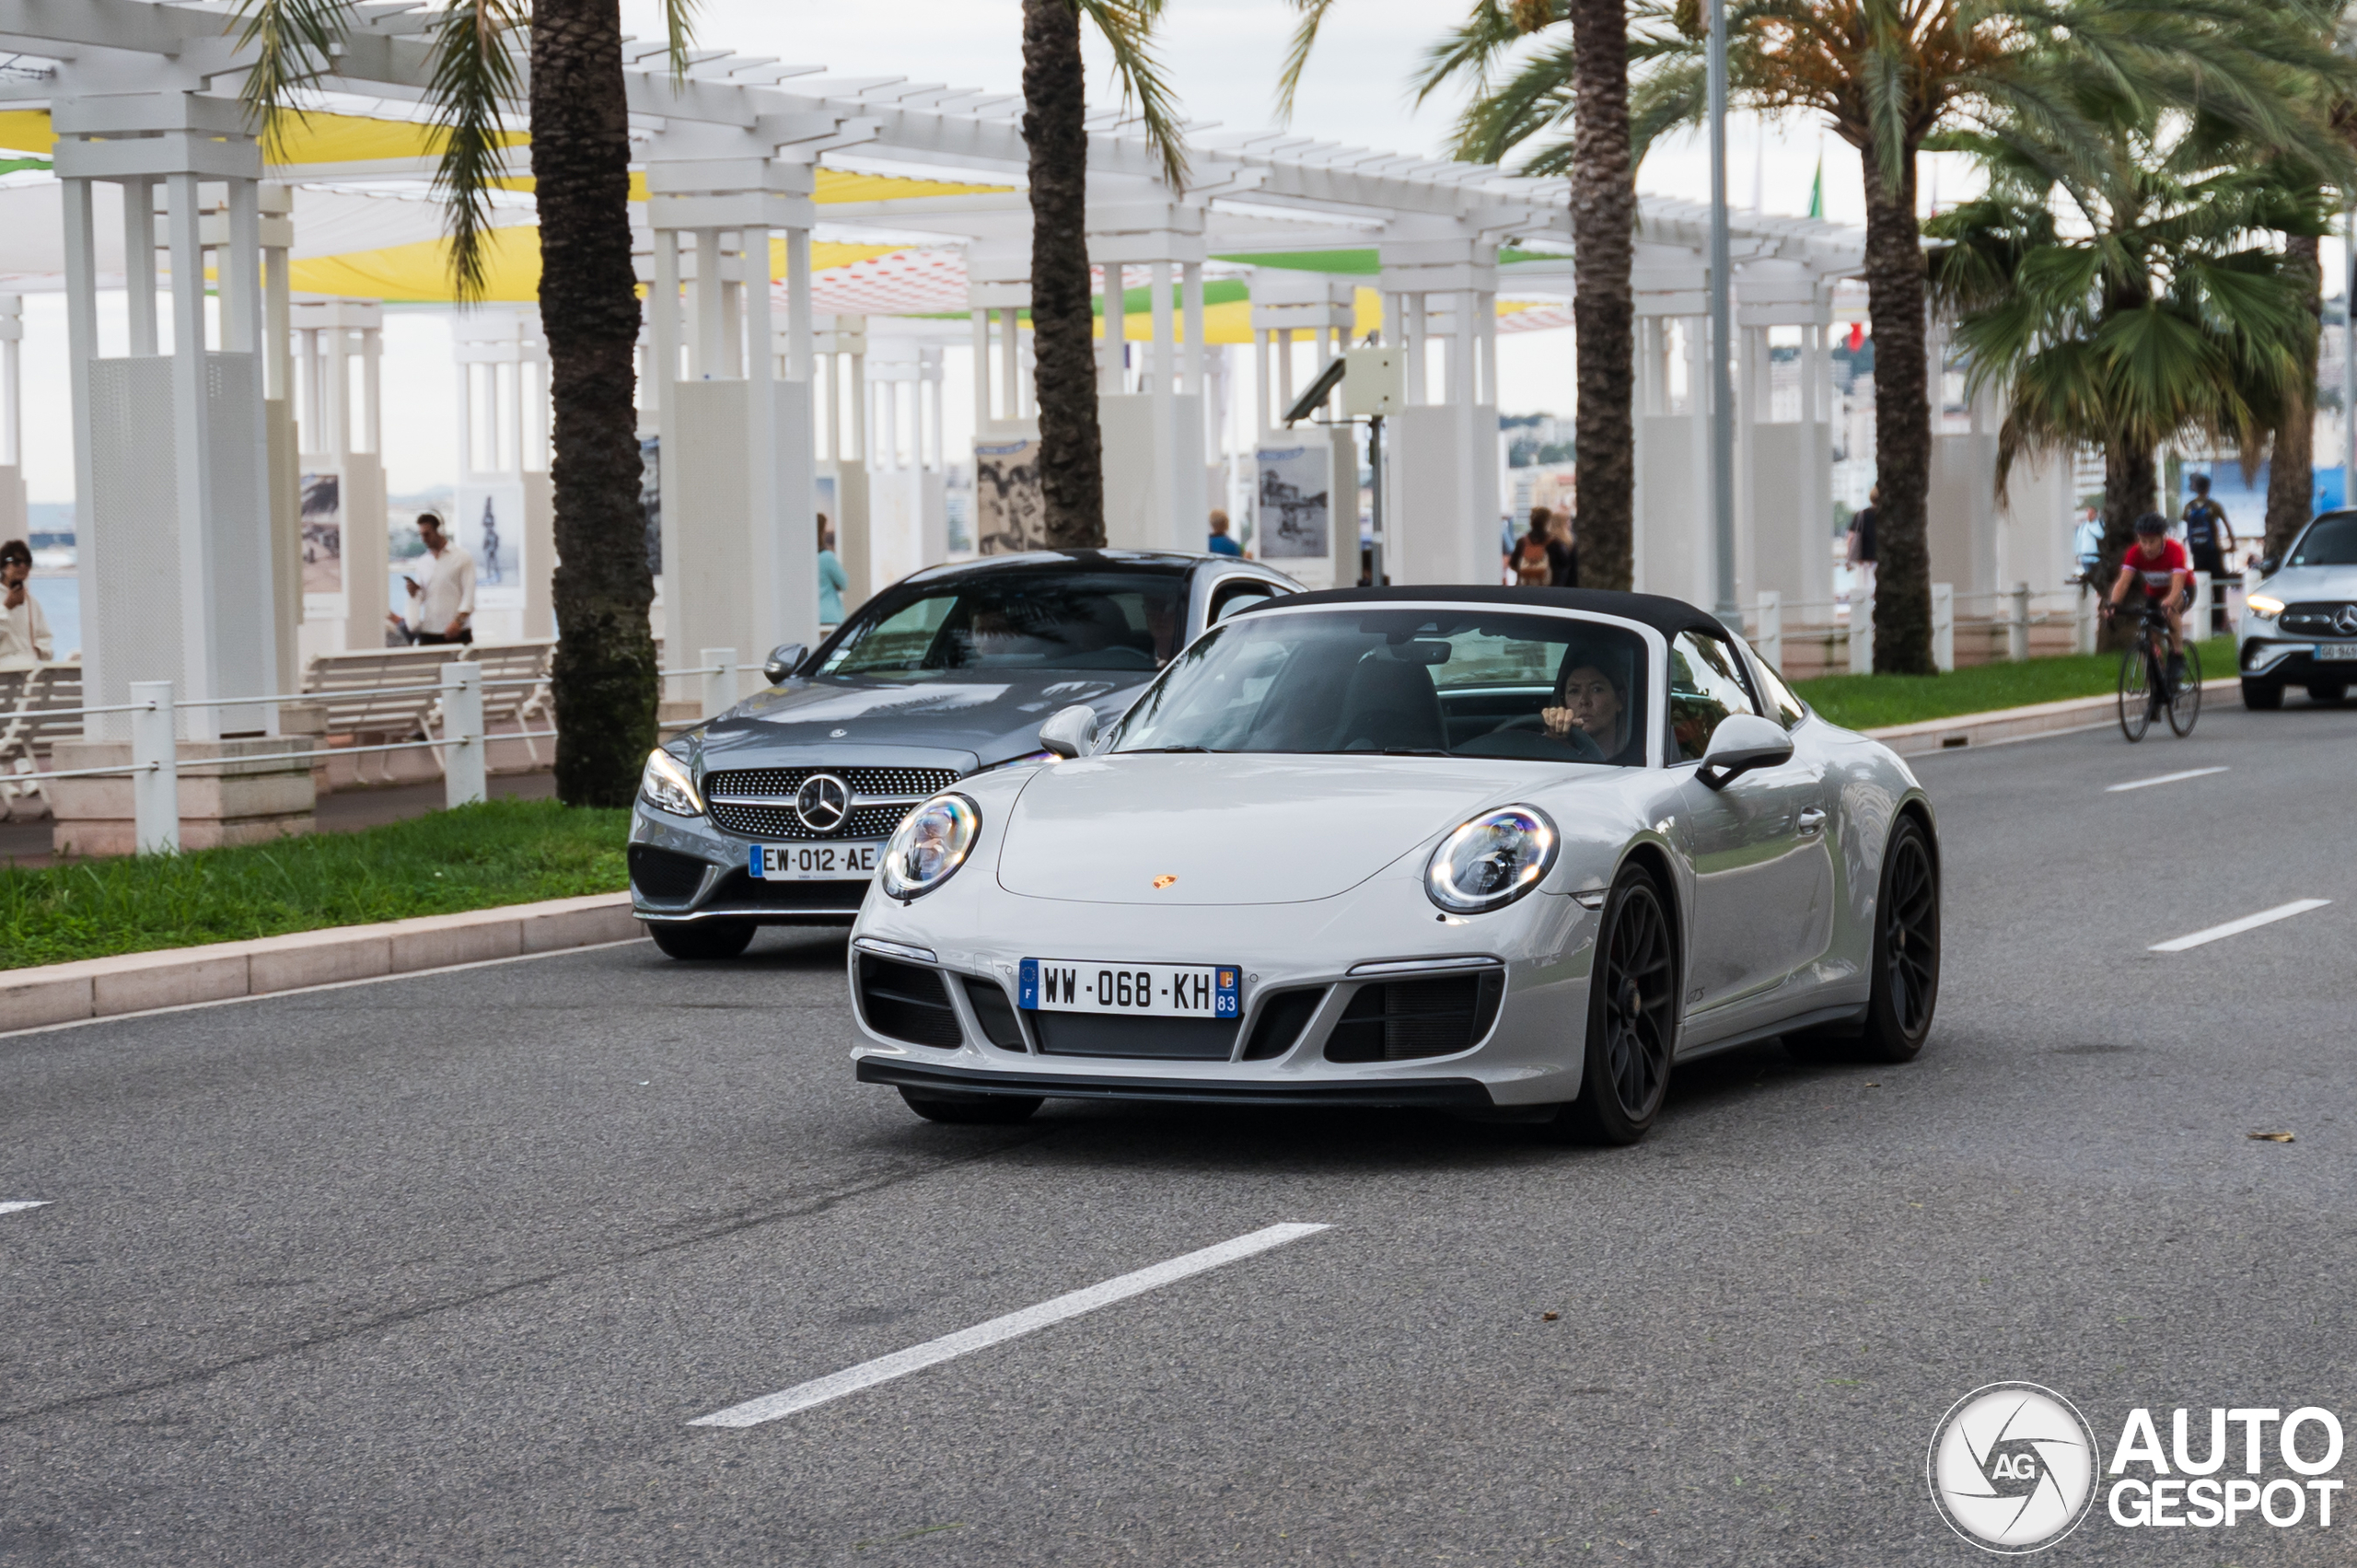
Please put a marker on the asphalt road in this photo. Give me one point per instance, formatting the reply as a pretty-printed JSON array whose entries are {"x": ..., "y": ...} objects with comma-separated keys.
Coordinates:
[{"x": 438, "y": 1269}]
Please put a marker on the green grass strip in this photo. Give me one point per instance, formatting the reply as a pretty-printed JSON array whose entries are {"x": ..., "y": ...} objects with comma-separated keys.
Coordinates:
[
  {"x": 1870, "y": 702},
  {"x": 503, "y": 851}
]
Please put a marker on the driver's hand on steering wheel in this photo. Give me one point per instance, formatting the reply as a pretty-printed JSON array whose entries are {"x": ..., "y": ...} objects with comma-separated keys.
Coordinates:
[{"x": 1559, "y": 721}]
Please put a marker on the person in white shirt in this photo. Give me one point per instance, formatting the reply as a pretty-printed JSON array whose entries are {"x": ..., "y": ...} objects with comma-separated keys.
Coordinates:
[
  {"x": 24, "y": 629},
  {"x": 441, "y": 606}
]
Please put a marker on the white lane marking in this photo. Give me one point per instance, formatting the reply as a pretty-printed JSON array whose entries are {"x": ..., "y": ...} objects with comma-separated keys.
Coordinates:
[
  {"x": 10, "y": 1205},
  {"x": 883, "y": 1369},
  {"x": 2164, "y": 778},
  {"x": 2236, "y": 927}
]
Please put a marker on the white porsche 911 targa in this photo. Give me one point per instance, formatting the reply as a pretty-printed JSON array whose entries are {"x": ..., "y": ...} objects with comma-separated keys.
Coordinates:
[{"x": 1502, "y": 850}]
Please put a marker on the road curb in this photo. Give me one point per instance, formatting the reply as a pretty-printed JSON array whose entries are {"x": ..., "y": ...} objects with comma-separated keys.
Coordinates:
[
  {"x": 1967, "y": 730},
  {"x": 138, "y": 983}
]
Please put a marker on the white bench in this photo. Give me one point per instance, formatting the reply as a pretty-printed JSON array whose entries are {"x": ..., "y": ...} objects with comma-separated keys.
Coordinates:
[
  {"x": 351, "y": 688},
  {"x": 39, "y": 707}
]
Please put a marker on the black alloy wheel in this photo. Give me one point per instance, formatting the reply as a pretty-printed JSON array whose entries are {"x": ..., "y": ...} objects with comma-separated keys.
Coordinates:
[
  {"x": 702, "y": 939},
  {"x": 970, "y": 1110},
  {"x": 1907, "y": 947},
  {"x": 2262, "y": 696},
  {"x": 1631, "y": 1017}
]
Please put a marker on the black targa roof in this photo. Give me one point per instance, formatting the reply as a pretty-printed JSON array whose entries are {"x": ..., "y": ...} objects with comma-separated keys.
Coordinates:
[{"x": 1667, "y": 616}]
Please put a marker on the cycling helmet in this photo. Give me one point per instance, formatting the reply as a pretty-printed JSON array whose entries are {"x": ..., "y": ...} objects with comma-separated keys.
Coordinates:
[{"x": 2152, "y": 523}]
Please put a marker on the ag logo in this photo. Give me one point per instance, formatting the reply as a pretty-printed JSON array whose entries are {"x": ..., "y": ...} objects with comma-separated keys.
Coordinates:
[
  {"x": 822, "y": 803},
  {"x": 2013, "y": 1467}
]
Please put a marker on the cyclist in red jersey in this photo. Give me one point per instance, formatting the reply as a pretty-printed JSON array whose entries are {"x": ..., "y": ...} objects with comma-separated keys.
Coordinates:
[{"x": 2160, "y": 566}]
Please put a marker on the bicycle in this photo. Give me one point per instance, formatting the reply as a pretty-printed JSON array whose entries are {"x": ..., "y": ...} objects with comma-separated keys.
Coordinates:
[{"x": 2145, "y": 686}]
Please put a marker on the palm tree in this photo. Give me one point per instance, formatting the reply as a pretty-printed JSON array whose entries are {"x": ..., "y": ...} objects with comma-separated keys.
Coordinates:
[
  {"x": 1588, "y": 67},
  {"x": 604, "y": 676},
  {"x": 1055, "y": 108},
  {"x": 1889, "y": 75},
  {"x": 2149, "y": 312}
]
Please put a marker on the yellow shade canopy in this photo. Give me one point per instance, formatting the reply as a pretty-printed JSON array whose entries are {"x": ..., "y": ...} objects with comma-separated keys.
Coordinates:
[{"x": 420, "y": 273}]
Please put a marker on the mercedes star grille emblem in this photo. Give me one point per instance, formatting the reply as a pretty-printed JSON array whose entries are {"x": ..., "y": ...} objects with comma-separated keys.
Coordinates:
[
  {"x": 822, "y": 803},
  {"x": 2344, "y": 620}
]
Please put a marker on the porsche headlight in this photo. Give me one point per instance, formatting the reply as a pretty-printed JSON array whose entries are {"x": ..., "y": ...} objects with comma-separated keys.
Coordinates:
[
  {"x": 930, "y": 845},
  {"x": 666, "y": 786},
  {"x": 2266, "y": 607},
  {"x": 1492, "y": 860}
]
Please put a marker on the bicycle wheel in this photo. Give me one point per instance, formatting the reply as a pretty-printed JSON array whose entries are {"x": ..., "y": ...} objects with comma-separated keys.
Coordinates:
[
  {"x": 2184, "y": 701},
  {"x": 2135, "y": 692}
]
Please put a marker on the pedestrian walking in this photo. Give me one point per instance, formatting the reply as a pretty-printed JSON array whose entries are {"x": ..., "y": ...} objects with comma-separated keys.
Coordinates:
[
  {"x": 24, "y": 629},
  {"x": 1563, "y": 550},
  {"x": 442, "y": 608},
  {"x": 1221, "y": 544},
  {"x": 1861, "y": 550},
  {"x": 2210, "y": 541},
  {"x": 833, "y": 578},
  {"x": 1533, "y": 568}
]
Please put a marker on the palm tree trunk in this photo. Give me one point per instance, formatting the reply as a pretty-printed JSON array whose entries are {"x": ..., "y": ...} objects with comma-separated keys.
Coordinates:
[
  {"x": 2291, "y": 472},
  {"x": 603, "y": 678},
  {"x": 1902, "y": 421},
  {"x": 2132, "y": 487},
  {"x": 1071, "y": 454},
  {"x": 1603, "y": 310}
]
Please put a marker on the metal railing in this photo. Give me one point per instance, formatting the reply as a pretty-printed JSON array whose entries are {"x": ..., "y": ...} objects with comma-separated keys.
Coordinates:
[{"x": 153, "y": 768}]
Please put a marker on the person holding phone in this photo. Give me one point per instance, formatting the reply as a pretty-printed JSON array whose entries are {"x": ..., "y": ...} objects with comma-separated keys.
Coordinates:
[
  {"x": 441, "y": 606},
  {"x": 24, "y": 629}
]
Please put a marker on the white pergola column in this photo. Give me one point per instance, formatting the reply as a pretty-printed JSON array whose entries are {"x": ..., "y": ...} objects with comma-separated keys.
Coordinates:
[
  {"x": 504, "y": 491},
  {"x": 341, "y": 444},
  {"x": 1441, "y": 515},
  {"x": 14, "y": 513},
  {"x": 178, "y": 579},
  {"x": 739, "y": 507},
  {"x": 1156, "y": 495},
  {"x": 841, "y": 345},
  {"x": 1308, "y": 460}
]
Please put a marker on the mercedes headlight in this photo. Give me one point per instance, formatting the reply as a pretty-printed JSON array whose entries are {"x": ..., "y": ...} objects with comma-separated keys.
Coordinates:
[
  {"x": 666, "y": 786},
  {"x": 930, "y": 844},
  {"x": 1492, "y": 860},
  {"x": 2266, "y": 607}
]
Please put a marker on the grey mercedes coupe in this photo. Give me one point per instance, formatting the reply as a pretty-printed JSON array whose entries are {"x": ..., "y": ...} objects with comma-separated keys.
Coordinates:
[{"x": 775, "y": 813}]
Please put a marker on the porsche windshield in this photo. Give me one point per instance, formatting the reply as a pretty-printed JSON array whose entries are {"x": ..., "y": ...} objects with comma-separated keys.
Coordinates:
[
  {"x": 1128, "y": 621},
  {"x": 1476, "y": 683}
]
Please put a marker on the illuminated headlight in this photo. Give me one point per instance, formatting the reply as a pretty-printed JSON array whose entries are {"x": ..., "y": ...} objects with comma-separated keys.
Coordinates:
[
  {"x": 1492, "y": 860},
  {"x": 930, "y": 844},
  {"x": 2266, "y": 607},
  {"x": 666, "y": 786}
]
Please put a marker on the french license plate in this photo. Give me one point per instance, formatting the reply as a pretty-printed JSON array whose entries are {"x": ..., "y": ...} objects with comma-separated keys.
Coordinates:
[
  {"x": 2337, "y": 651},
  {"x": 1144, "y": 991},
  {"x": 815, "y": 862}
]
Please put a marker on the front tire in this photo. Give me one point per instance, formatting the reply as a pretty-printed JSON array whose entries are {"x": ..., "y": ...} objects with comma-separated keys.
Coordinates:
[
  {"x": 2135, "y": 693},
  {"x": 2262, "y": 696},
  {"x": 1906, "y": 948},
  {"x": 1631, "y": 1017},
  {"x": 702, "y": 939},
  {"x": 970, "y": 1110}
]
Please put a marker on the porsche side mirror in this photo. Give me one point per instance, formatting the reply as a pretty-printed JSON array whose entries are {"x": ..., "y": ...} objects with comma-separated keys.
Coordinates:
[
  {"x": 782, "y": 662},
  {"x": 1069, "y": 731},
  {"x": 1742, "y": 742}
]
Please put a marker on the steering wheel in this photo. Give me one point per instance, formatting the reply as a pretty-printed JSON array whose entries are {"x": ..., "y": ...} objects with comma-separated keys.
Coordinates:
[{"x": 1579, "y": 741}]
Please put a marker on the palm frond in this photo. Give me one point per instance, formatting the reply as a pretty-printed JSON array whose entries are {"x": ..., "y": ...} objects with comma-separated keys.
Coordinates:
[
  {"x": 292, "y": 42},
  {"x": 1127, "y": 26},
  {"x": 680, "y": 34},
  {"x": 474, "y": 79},
  {"x": 1297, "y": 52}
]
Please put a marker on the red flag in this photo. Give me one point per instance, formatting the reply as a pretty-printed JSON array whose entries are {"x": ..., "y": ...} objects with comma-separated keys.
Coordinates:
[{"x": 1857, "y": 336}]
